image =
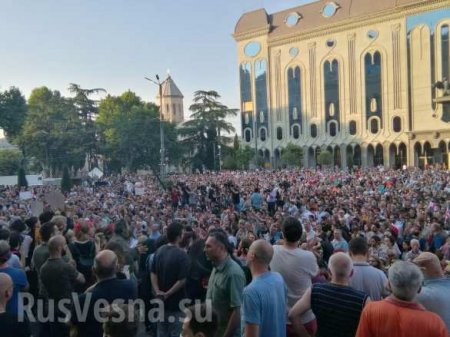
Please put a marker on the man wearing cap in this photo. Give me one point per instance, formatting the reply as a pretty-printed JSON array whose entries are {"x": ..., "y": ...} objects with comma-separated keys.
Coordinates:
[
  {"x": 18, "y": 277},
  {"x": 435, "y": 293}
]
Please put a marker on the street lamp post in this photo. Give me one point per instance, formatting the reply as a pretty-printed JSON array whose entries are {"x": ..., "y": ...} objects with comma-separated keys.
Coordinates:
[{"x": 161, "y": 129}]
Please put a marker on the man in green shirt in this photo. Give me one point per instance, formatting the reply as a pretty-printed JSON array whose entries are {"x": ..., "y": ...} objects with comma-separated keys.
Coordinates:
[{"x": 225, "y": 285}]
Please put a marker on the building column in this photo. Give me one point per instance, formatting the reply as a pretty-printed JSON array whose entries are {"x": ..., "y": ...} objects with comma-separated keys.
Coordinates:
[
  {"x": 411, "y": 154},
  {"x": 386, "y": 155},
  {"x": 305, "y": 157},
  {"x": 343, "y": 156},
  {"x": 363, "y": 155}
]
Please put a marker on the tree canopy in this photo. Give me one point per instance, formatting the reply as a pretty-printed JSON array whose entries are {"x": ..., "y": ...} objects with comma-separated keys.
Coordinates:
[
  {"x": 130, "y": 133},
  {"x": 13, "y": 111},
  {"x": 205, "y": 132}
]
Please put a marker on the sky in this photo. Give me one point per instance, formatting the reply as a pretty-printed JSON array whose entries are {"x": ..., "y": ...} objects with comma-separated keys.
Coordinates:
[{"x": 114, "y": 44}]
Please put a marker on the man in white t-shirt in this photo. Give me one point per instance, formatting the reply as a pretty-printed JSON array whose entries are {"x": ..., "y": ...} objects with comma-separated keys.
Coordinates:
[{"x": 298, "y": 267}]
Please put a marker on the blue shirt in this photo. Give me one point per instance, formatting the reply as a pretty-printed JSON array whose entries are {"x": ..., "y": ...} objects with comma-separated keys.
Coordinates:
[
  {"x": 257, "y": 200},
  {"x": 264, "y": 304},
  {"x": 435, "y": 297},
  {"x": 20, "y": 282},
  {"x": 341, "y": 245}
]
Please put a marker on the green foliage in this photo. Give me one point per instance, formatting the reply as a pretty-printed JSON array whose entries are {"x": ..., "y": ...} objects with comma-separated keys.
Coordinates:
[
  {"x": 244, "y": 156},
  {"x": 292, "y": 155},
  {"x": 53, "y": 133},
  {"x": 204, "y": 132},
  {"x": 325, "y": 158},
  {"x": 87, "y": 110},
  {"x": 129, "y": 131},
  {"x": 10, "y": 161},
  {"x": 13, "y": 111},
  {"x": 21, "y": 178},
  {"x": 66, "y": 183}
]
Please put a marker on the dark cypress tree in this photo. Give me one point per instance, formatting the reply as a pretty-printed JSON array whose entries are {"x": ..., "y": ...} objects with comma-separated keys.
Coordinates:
[
  {"x": 21, "y": 178},
  {"x": 66, "y": 183}
]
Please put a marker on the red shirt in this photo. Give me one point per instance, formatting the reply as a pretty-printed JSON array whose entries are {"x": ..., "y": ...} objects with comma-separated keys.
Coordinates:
[{"x": 392, "y": 317}]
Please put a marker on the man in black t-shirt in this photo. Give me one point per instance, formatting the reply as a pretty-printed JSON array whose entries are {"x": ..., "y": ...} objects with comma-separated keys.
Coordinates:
[
  {"x": 9, "y": 323},
  {"x": 168, "y": 276}
]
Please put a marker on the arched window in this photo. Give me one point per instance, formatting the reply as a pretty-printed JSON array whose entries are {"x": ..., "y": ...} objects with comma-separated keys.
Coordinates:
[
  {"x": 331, "y": 81},
  {"x": 397, "y": 124},
  {"x": 296, "y": 131},
  {"x": 245, "y": 76},
  {"x": 261, "y": 91},
  {"x": 333, "y": 130},
  {"x": 294, "y": 93},
  {"x": 372, "y": 64},
  {"x": 248, "y": 135},
  {"x": 352, "y": 128},
  {"x": 279, "y": 133},
  {"x": 445, "y": 52},
  {"x": 374, "y": 125},
  {"x": 262, "y": 134},
  {"x": 313, "y": 130}
]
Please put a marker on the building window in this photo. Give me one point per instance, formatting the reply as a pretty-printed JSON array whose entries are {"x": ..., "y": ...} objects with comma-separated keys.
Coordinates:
[
  {"x": 374, "y": 125},
  {"x": 296, "y": 131},
  {"x": 167, "y": 109},
  {"x": 262, "y": 134},
  {"x": 333, "y": 129},
  {"x": 445, "y": 52},
  {"x": 313, "y": 130},
  {"x": 248, "y": 135},
  {"x": 261, "y": 90},
  {"x": 331, "y": 79},
  {"x": 294, "y": 92},
  {"x": 352, "y": 128},
  {"x": 279, "y": 133},
  {"x": 174, "y": 107},
  {"x": 397, "y": 124},
  {"x": 245, "y": 76},
  {"x": 372, "y": 64}
]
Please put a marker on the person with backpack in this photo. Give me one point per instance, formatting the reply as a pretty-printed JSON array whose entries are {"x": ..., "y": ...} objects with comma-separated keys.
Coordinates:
[{"x": 83, "y": 252}]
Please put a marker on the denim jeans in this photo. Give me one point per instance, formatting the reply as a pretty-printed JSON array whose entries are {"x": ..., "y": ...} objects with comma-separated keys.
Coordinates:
[{"x": 171, "y": 325}]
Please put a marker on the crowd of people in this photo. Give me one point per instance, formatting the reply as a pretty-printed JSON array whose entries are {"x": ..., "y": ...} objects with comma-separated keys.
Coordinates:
[{"x": 281, "y": 253}]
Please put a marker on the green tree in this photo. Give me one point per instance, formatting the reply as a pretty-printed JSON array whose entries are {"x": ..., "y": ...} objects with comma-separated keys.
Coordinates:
[
  {"x": 53, "y": 134},
  {"x": 325, "y": 158},
  {"x": 205, "y": 131},
  {"x": 129, "y": 133},
  {"x": 292, "y": 155},
  {"x": 10, "y": 161},
  {"x": 21, "y": 178},
  {"x": 244, "y": 156},
  {"x": 87, "y": 110},
  {"x": 66, "y": 183},
  {"x": 13, "y": 111}
]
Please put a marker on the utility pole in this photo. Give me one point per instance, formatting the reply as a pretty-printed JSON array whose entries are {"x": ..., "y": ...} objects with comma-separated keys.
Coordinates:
[{"x": 162, "y": 149}]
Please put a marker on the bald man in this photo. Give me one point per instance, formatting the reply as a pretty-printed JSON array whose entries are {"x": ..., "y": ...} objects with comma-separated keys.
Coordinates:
[
  {"x": 57, "y": 278},
  {"x": 336, "y": 305},
  {"x": 435, "y": 292},
  {"x": 264, "y": 299},
  {"x": 108, "y": 288},
  {"x": 9, "y": 322},
  {"x": 56, "y": 275}
]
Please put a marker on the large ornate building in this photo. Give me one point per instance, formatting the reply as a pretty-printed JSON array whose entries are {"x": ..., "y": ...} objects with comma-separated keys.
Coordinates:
[{"x": 355, "y": 77}]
